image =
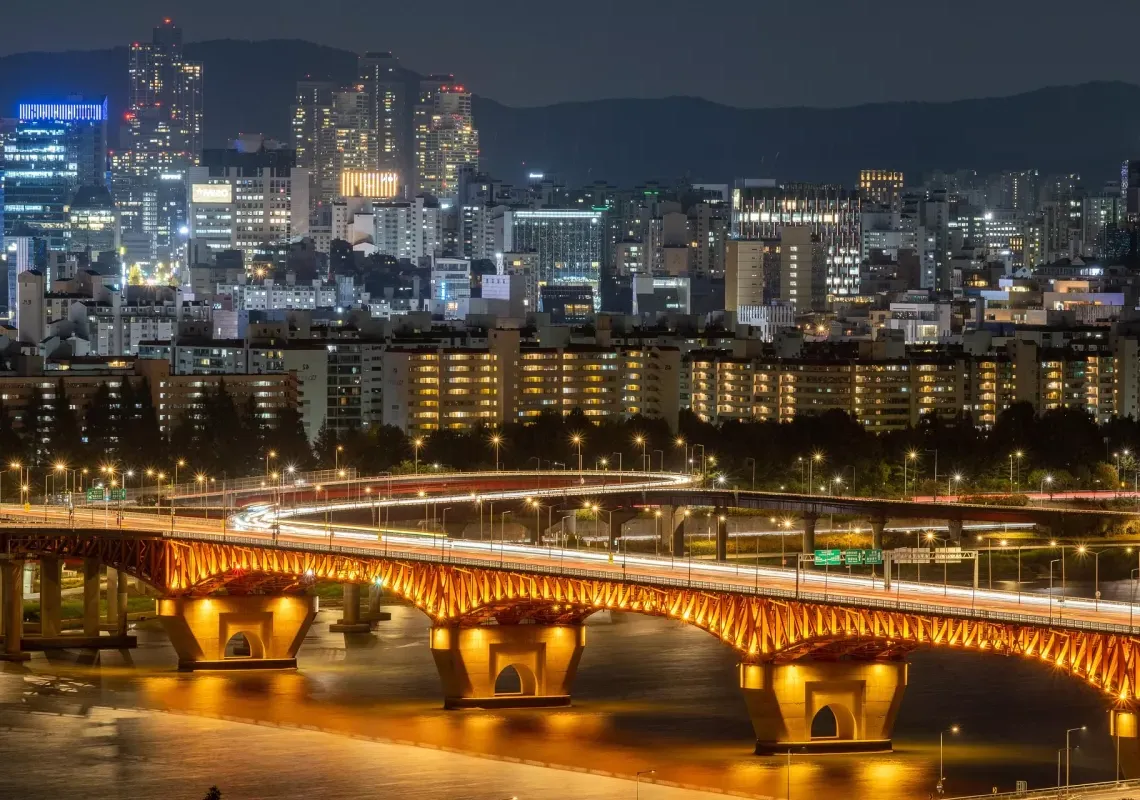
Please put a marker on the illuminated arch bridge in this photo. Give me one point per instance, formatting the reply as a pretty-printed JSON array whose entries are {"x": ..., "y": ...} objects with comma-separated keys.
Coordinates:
[{"x": 489, "y": 616}]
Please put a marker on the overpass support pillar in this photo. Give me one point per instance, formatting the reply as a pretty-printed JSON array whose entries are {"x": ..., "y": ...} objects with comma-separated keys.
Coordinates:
[
  {"x": 955, "y": 534},
  {"x": 51, "y": 576},
  {"x": 350, "y": 614},
  {"x": 1124, "y": 723},
  {"x": 823, "y": 706},
  {"x": 91, "y": 569},
  {"x": 809, "y": 533},
  {"x": 540, "y": 662},
  {"x": 721, "y": 535},
  {"x": 618, "y": 519},
  {"x": 12, "y": 581},
  {"x": 673, "y": 529},
  {"x": 877, "y": 526},
  {"x": 121, "y": 604},
  {"x": 200, "y": 628}
]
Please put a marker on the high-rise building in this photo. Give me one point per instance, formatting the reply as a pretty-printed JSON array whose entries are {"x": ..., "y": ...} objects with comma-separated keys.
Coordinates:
[
  {"x": 447, "y": 142},
  {"x": 803, "y": 269},
  {"x": 93, "y": 223},
  {"x": 410, "y": 230},
  {"x": 165, "y": 102},
  {"x": 314, "y": 137},
  {"x": 54, "y": 149},
  {"x": 744, "y": 273},
  {"x": 164, "y": 137},
  {"x": 880, "y": 186},
  {"x": 391, "y": 90},
  {"x": 761, "y": 209},
  {"x": 569, "y": 245},
  {"x": 247, "y": 197}
]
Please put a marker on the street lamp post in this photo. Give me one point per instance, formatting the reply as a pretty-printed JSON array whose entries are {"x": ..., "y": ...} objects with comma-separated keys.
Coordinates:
[
  {"x": 1082, "y": 550},
  {"x": 680, "y": 442},
  {"x": 955, "y": 478},
  {"x": 576, "y": 440},
  {"x": 910, "y": 456},
  {"x": 816, "y": 457},
  {"x": 1051, "y": 563},
  {"x": 270, "y": 454},
  {"x": 941, "y": 771},
  {"x": 497, "y": 442},
  {"x": 753, "y": 461},
  {"x": 640, "y": 440},
  {"x": 417, "y": 443},
  {"x": 637, "y": 781},
  {"x": 1015, "y": 454},
  {"x": 1048, "y": 479},
  {"x": 1069, "y": 752}
]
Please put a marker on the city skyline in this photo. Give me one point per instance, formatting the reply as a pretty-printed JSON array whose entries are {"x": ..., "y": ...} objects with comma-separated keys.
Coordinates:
[{"x": 754, "y": 61}]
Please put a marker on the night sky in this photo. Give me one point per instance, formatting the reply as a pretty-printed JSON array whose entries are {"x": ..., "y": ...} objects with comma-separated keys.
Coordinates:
[{"x": 739, "y": 52}]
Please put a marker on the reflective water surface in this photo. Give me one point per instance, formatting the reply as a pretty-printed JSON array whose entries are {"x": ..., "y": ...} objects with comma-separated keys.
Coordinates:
[{"x": 650, "y": 694}]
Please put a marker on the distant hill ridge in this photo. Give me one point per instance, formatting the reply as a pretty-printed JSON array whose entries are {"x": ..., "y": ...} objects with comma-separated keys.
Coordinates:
[{"x": 1088, "y": 128}]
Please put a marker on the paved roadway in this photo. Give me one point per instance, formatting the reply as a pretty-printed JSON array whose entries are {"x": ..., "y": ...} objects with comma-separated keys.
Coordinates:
[{"x": 256, "y": 523}]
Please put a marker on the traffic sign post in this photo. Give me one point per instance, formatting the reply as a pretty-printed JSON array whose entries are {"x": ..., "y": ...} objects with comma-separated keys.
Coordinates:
[
  {"x": 95, "y": 493},
  {"x": 853, "y": 557},
  {"x": 118, "y": 494}
]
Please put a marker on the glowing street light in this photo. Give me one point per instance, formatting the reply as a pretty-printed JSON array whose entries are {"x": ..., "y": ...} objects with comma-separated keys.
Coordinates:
[
  {"x": 496, "y": 442},
  {"x": 417, "y": 443}
]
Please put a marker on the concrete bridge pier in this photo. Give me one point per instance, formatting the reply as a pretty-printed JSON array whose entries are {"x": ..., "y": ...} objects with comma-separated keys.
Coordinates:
[
  {"x": 12, "y": 609},
  {"x": 350, "y": 615},
  {"x": 91, "y": 574},
  {"x": 618, "y": 518},
  {"x": 1124, "y": 723},
  {"x": 955, "y": 534},
  {"x": 673, "y": 529},
  {"x": 823, "y": 706},
  {"x": 721, "y": 535},
  {"x": 507, "y": 666},
  {"x": 51, "y": 597},
  {"x": 878, "y": 525},
  {"x": 809, "y": 532},
  {"x": 201, "y": 629}
]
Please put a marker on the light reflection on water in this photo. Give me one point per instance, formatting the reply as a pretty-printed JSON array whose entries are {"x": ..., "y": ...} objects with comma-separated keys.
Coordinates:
[{"x": 650, "y": 694}]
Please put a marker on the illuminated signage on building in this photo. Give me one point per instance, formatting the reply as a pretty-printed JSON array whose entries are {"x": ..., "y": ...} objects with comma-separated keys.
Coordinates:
[
  {"x": 368, "y": 183},
  {"x": 211, "y": 193},
  {"x": 63, "y": 112}
]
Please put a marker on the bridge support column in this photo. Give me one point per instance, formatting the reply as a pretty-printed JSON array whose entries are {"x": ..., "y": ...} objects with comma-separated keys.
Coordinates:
[
  {"x": 91, "y": 569},
  {"x": 721, "y": 535},
  {"x": 823, "y": 706},
  {"x": 809, "y": 533},
  {"x": 673, "y": 528},
  {"x": 121, "y": 605},
  {"x": 617, "y": 520},
  {"x": 112, "y": 597},
  {"x": 955, "y": 534},
  {"x": 200, "y": 628},
  {"x": 51, "y": 599},
  {"x": 471, "y": 662},
  {"x": 350, "y": 614},
  {"x": 1125, "y": 724},
  {"x": 877, "y": 526},
  {"x": 12, "y": 580}
]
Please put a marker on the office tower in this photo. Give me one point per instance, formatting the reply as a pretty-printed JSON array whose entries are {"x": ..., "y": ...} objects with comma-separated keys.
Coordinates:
[
  {"x": 391, "y": 92},
  {"x": 163, "y": 140},
  {"x": 165, "y": 102},
  {"x": 55, "y": 148},
  {"x": 446, "y": 140},
  {"x": 247, "y": 198},
  {"x": 744, "y": 273},
  {"x": 803, "y": 269},
  {"x": 708, "y": 225},
  {"x": 569, "y": 245},
  {"x": 761, "y": 209},
  {"x": 880, "y": 186},
  {"x": 314, "y": 138},
  {"x": 422, "y": 115}
]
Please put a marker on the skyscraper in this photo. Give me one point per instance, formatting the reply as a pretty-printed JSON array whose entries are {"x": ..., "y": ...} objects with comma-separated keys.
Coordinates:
[
  {"x": 569, "y": 245},
  {"x": 446, "y": 140},
  {"x": 165, "y": 102},
  {"x": 55, "y": 148},
  {"x": 314, "y": 137},
  {"x": 164, "y": 139},
  {"x": 391, "y": 89},
  {"x": 880, "y": 186}
]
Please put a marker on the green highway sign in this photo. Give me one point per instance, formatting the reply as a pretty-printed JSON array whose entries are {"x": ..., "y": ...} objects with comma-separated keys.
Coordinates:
[
  {"x": 873, "y": 557},
  {"x": 118, "y": 494},
  {"x": 852, "y": 557},
  {"x": 827, "y": 558},
  {"x": 95, "y": 493}
]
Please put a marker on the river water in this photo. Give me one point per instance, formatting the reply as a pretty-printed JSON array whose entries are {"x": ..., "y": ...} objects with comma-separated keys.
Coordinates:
[{"x": 650, "y": 694}]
